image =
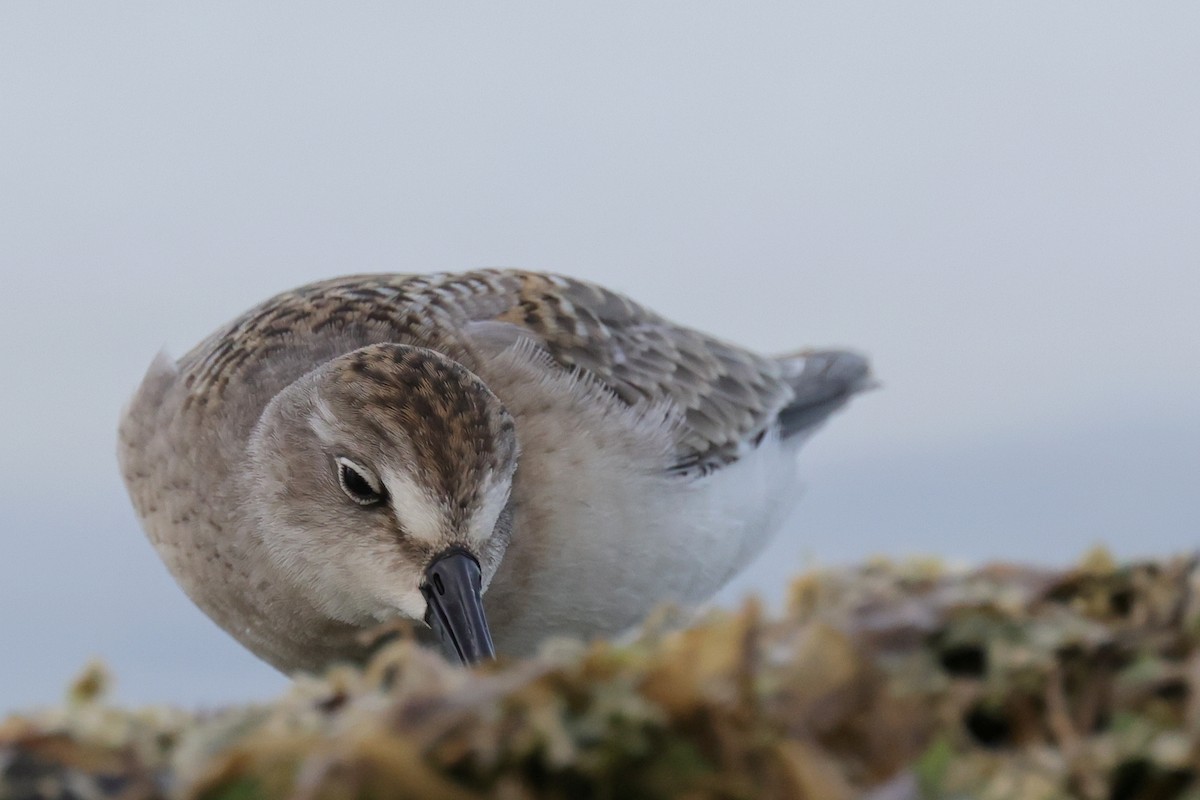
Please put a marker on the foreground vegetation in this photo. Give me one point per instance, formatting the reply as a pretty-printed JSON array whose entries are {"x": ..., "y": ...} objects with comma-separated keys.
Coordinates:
[{"x": 888, "y": 682}]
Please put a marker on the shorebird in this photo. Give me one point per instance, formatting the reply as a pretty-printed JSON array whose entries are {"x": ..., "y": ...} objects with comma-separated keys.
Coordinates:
[{"x": 382, "y": 447}]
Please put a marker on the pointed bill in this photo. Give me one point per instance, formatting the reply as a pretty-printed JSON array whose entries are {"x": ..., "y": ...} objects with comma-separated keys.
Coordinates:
[{"x": 452, "y": 590}]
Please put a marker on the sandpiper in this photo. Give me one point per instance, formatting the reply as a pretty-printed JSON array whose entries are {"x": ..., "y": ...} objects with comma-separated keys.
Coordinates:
[{"x": 378, "y": 447}]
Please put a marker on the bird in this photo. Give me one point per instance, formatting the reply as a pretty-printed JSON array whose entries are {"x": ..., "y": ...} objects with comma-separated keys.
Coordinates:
[{"x": 495, "y": 457}]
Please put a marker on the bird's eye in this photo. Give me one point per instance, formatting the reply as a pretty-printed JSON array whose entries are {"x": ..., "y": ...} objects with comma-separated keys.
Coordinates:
[{"x": 359, "y": 483}]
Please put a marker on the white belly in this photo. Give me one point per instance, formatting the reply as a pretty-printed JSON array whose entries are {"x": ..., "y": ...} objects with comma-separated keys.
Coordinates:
[{"x": 601, "y": 536}]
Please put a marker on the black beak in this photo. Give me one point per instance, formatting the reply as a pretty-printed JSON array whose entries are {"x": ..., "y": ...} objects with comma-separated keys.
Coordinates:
[{"x": 453, "y": 592}]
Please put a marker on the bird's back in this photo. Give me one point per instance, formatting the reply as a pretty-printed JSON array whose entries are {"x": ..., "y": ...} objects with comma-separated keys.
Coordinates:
[{"x": 726, "y": 396}]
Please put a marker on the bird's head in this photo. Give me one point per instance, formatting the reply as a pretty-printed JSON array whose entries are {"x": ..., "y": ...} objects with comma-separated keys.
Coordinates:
[{"x": 380, "y": 486}]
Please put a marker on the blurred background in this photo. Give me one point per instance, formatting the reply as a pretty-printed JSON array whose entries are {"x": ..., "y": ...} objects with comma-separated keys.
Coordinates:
[{"x": 997, "y": 202}]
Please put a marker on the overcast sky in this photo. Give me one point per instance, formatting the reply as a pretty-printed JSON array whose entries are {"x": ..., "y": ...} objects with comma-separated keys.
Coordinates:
[{"x": 998, "y": 202}]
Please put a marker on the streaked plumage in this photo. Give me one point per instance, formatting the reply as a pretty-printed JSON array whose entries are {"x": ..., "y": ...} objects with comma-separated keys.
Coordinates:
[{"x": 654, "y": 460}]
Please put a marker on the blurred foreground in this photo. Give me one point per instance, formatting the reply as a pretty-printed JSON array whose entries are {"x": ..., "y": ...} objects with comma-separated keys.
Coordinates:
[{"x": 890, "y": 681}]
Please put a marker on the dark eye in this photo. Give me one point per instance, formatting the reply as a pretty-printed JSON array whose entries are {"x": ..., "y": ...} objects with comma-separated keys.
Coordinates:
[{"x": 359, "y": 483}]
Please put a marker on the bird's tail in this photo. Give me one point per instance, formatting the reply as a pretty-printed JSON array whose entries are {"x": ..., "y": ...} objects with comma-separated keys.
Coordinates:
[{"x": 823, "y": 381}]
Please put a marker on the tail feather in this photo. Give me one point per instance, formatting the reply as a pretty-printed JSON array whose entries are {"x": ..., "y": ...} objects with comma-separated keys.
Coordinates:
[{"x": 823, "y": 381}]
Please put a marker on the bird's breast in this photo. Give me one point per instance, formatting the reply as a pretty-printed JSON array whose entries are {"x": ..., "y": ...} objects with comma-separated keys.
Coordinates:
[{"x": 602, "y": 532}]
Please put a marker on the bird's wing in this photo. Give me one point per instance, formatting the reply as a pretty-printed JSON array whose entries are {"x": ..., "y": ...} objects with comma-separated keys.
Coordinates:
[{"x": 728, "y": 397}]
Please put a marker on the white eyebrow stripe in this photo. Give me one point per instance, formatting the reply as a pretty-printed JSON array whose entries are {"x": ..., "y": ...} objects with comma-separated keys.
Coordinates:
[
  {"x": 323, "y": 422},
  {"x": 419, "y": 514},
  {"x": 483, "y": 521}
]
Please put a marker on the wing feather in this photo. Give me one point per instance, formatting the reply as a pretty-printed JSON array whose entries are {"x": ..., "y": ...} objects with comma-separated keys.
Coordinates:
[{"x": 728, "y": 395}]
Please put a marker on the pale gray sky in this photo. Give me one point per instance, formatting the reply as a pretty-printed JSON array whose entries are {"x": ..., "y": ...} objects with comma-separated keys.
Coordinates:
[{"x": 998, "y": 202}]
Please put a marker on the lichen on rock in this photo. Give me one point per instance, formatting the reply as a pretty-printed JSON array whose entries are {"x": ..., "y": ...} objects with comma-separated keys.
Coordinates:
[{"x": 890, "y": 681}]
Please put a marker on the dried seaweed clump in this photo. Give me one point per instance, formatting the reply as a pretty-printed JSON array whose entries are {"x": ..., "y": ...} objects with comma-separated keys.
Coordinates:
[{"x": 889, "y": 682}]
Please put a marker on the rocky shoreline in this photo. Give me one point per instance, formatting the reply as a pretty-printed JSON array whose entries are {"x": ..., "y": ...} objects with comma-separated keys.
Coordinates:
[{"x": 888, "y": 681}]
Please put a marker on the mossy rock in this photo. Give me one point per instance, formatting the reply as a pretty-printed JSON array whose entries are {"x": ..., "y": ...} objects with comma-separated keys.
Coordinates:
[{"x": 890, "y": 682}]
